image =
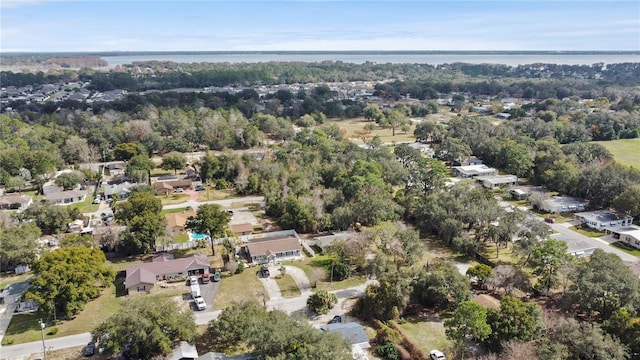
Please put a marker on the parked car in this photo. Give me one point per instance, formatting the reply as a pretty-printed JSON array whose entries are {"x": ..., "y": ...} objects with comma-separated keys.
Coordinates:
[
  {"x": 437, "y": 355},
  {"x": 264, "y": 272},
  {"x": 200, "y": 188},
  {"x": 550, "y": 220},
  {"x": 193, "y": 280},
  {"x": 178, "y": 190},
  {"x": 217, "y": 275},
  {"x": 336, "y": 319},
  {"x": 90, "y": 349},
  {"x": 97, "y": 199},
  {"x": 205, "y": 278},
  {"x": 200, "y": 304}
]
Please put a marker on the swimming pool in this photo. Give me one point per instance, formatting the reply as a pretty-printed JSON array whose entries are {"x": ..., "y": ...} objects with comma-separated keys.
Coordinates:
[{"x": 197, "y": 236}]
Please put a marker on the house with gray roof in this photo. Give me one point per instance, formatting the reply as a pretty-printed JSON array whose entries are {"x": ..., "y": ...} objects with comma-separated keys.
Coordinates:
[
  {"x": 15, "y": 202},
  {"x": 141, "y": 278},
  {"x": 65, "y": 197},
  {"x": 352, "y": 333},
  {"x": 471, "y": 171},
  {"x": 262, "y": 251},
  {"x": 601, "y": 219},
  {"x": 563, "y": 204}
]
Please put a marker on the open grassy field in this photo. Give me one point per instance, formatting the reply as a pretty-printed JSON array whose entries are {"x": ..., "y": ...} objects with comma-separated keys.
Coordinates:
[
  {"x": 426, "y": 332},
  {"x": 173, "y": 199},
  {"x": 350, "y": 126},
  {"x": 229, "y": 291},
  {"x": 213, "y": 194},
  {"x": 625, "y": 151}
]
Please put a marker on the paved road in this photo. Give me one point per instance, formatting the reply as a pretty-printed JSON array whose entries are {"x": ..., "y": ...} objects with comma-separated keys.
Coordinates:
[
  {"x": 23, "y": 351},
  {"x": 576, "y": 237},
  {"x": 593, "y": 242}
]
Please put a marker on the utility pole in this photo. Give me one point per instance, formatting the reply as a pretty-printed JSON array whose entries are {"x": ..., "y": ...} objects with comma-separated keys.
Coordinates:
[
  {"x": 44, "y": 347},
  {"x": 331, "y": 279}
]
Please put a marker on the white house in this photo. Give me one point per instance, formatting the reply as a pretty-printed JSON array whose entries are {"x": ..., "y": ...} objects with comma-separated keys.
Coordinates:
[
  {"x": 493, "y": 182},
  {"x": 629, "y": 234},
  {"x": 602, "y": 219},
  {"x": 563, "y": 204},
  {"x": 471, "y": 171}
]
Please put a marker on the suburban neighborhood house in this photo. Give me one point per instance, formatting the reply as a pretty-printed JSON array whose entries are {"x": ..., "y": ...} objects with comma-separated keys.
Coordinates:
[
  {"x": 601, "y": 219},
  {"x": 65, "y": 197},
  {"x": 166, "y": 187},
  {"x": 493, "y": 182},
  {"x": 352, "y": 333},
  {"x": 471, "y": 171},
  {"x": 562, "y": 204},
  {"x": 241, "y": 229},
  {"x": 143, "y": 277},
  {"x": 15, "y": 202},
  {"x": 262, "y": 251},
  {"x": 629, "y": 234},
  {"x": 471, "y": 160}
]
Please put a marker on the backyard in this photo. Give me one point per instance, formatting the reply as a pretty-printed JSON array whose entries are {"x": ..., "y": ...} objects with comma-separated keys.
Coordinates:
[{"x": 427, "y": 331}]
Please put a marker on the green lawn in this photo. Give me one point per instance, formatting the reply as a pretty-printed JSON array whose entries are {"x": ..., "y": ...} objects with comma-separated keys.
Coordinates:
[
  {"x": 173, "y": 199},
  {"x": 625, "y": 151},
  {"x": 560, "y": 218},
  {"x": 239, "y": 288},
  {"x": 213, "y": 194},
  {"x": 427, "y": 333},
  {"x": 86, "y": 206},
  {"x": 25, "y": 328},
  {"x": 587, "y": 232},
  {"x": 8, "y": 280},
  {"x": 287, "y": 286},
  {"x": 626, "y": 248},
  {"x": 173, "y": 211}
]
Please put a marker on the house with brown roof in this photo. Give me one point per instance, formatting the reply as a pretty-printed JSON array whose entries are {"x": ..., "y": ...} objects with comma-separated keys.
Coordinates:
[
  {"x": 241, "y": 229},
  {"x": 141, "y": 278},
  {"x": 15, "y": 202},
  {"x": 261, "y": 251},
  {"x": 163, "y": 188},
  {"x": 178, "y": 220},
  {"x": 167, "y": 187}
]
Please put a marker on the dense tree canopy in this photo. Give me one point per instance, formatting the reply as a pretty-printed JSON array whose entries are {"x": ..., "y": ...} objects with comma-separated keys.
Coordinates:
[
  {"x": 146, "y": 327},
  {"x": 272, "y": 335},
  {"x": 66, "y": 279},
  {"x": 141, "y": 213}
]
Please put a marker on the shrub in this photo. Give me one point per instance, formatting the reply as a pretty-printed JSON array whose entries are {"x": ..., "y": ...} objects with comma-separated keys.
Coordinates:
[
  {"x": 240, "y": 268},
  {"x": 321, "y": 302},
  {"x": 52, "y": 331},
  {"x": 388, "y": 351},
  {"x": 341, "y": 271}
]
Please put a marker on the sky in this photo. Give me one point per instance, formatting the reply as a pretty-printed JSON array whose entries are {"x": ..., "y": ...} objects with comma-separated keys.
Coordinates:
[{"x": 156, "y": 25}]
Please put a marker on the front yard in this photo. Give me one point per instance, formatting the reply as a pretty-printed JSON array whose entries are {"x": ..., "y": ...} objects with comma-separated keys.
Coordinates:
[
  {"x": 587, "y": 231},
  {"x": 24, "y": 327},
  {"x": 427, "y": 332},
  {"x": 238, "y": 288},
  {"x": 287, "y": 286}
]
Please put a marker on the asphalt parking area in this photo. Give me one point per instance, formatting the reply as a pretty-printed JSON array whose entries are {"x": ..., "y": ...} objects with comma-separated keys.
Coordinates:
[{"x": 208, "y": 293}]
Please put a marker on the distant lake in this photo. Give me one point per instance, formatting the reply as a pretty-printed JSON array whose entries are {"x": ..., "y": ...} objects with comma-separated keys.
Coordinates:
[{"x": 396, "y": 58}]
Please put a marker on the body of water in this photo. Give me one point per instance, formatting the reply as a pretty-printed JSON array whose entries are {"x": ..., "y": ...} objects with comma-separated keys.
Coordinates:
[{"x": 396, "y": 58}]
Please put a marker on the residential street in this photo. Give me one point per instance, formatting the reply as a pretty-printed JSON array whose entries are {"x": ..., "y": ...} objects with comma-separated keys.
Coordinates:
[{"x": 23, "y": 351}]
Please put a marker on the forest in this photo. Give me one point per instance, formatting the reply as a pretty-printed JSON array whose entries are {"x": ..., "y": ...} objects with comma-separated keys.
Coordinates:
[{"x": 316, "y": 178}]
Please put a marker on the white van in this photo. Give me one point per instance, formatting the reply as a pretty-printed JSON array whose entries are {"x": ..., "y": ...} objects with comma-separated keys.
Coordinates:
[{"x": 195, "y": 291}]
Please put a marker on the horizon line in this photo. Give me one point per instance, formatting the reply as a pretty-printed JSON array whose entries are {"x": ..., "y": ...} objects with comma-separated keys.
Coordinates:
[{"x": 175, "y": 52}]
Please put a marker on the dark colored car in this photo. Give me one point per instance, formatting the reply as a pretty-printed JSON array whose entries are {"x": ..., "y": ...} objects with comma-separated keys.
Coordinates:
[
  {"x": 550, "y": 220},
  {"x": 199, "y": 188},
  {"x": 336, "y": 319},
  {"x": 264, "y": 272},
  {"x": 90, "y": 349}
]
